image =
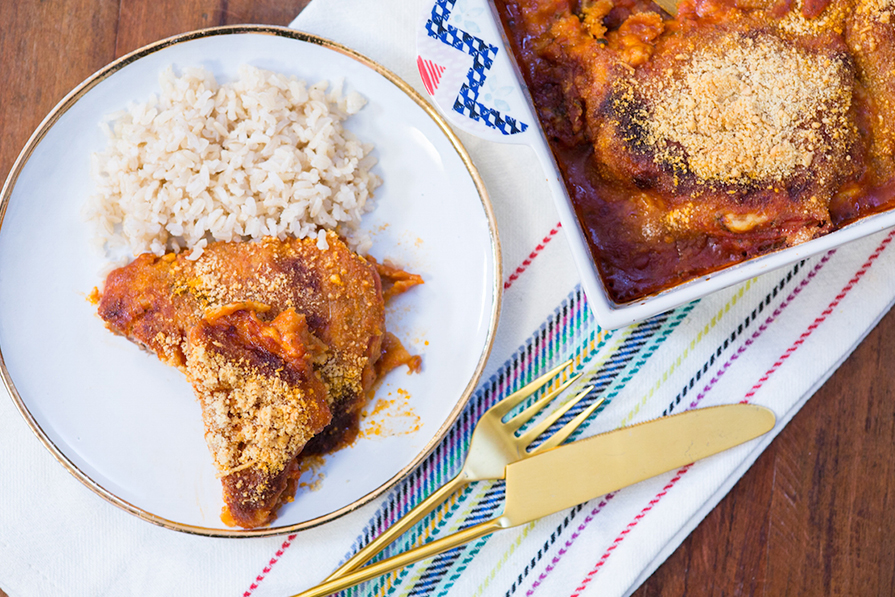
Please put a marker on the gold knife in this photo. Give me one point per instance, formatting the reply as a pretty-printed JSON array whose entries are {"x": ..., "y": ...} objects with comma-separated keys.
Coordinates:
[{"x": 575, "y": 473}]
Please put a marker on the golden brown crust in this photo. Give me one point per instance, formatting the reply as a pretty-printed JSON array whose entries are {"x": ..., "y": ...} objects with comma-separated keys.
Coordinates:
[
  {"x": 733, "y": 132},
  {"x": 154, "y": 301},
  {"x": 742, "y": 108},
  {"x": 261, "y": 402}
]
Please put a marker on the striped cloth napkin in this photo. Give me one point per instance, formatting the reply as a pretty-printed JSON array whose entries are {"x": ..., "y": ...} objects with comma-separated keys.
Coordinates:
[{"x": 771, "y": 341}]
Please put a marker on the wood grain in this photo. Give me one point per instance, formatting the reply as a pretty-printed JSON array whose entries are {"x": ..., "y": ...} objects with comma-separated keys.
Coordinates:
[{"x": 814, "y": 516}]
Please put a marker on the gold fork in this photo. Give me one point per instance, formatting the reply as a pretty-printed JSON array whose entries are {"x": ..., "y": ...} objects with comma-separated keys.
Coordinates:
[{"x": 494, "y": 445}]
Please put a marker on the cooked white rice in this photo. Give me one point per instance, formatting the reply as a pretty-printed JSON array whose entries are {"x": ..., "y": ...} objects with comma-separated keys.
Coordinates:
[{"x": 265, "y": 155}]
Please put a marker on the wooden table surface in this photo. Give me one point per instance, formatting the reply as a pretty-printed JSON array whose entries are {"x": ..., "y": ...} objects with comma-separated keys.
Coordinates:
[{"x": 814, "y": 516}]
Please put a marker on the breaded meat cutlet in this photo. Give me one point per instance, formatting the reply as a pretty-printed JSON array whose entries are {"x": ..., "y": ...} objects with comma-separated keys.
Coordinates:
[{"x": 156, "y": 301}]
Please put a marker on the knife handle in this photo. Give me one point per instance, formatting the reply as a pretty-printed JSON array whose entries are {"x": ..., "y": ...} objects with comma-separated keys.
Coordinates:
[
  {"x": 401, "y": 526},
  {"x": 408, "y": 557}
]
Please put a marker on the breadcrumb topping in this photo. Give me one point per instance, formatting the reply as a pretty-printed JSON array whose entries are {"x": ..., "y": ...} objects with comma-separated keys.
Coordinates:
[
  {"x": 831, "y": 20},
  {"x": 251, "y": 419},
  {"x": 747, "y": 109},
  {"x": 879, "y": 10},
  {"x": 261, "y": 400}
]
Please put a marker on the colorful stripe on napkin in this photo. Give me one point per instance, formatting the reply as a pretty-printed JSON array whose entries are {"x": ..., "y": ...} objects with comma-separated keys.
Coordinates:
[{"x": 610, "y": 361}]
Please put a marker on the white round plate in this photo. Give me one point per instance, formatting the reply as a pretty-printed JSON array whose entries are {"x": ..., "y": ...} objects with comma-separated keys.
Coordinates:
[{"x": 129, "y": 426}]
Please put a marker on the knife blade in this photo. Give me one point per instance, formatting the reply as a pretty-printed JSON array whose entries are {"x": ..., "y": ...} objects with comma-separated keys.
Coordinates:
[
  {"x": 559, "y": 479},
  {"x": 575, "y": 473}
]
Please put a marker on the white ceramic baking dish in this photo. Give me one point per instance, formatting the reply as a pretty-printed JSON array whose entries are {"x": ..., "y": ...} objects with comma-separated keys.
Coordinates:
[{"x": 462, "y": 53}]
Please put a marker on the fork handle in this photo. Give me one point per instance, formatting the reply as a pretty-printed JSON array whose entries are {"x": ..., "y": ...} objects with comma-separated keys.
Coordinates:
[
  {"x": 408, "y": 557},
  {"x": 401, "y": 526}
]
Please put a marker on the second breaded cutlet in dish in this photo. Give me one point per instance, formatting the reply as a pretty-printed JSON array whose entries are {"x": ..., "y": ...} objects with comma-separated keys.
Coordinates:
[{"x": 728, "y": 131}]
